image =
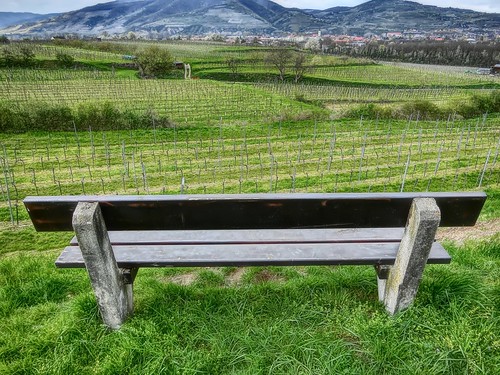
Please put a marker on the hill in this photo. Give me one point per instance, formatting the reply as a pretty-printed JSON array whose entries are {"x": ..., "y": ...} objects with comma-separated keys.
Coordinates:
[
  {"x": 14, "y": 18},
  {"x": 157, "y": 17}
]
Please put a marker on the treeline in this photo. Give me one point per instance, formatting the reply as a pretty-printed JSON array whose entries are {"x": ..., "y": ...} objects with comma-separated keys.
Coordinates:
[
  {"x": 22, "y": 55},
  {"x": 92, "y": 45},
  {"x": 477, "y": 105},
  {"x": 18, "y": 118},
  {"x": 483, "y": 54}
]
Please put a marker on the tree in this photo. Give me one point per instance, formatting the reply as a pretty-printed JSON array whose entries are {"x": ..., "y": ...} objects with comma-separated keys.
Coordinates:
[
  {"x": 280, "y": 58},
  {"x": 154, "y": 62},
  {"x": 27, "y": 55},
  {"x": 4, "y": 39},
  {"x": 233, "y": 65},
  {"x": 299, "y": 66},
  {"x": 314, "y": 44},
  {"x": 64, "y": 60},
  {"x": 216, "y": 38}
]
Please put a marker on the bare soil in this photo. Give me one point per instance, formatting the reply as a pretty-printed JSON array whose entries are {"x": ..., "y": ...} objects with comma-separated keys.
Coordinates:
[
  {"x": 235, "y": 277},
  {"x": 482, "y": 230},
  {"x": 184, "y": 279}
]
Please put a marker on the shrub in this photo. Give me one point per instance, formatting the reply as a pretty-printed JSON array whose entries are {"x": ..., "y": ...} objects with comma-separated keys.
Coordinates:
[
  {"x": 97, "y": 116},
  {"x": 36, "y": 116},
  {"x": 424, "y": 109},
  {"x": 7, "y": 116},
  {"x": 64, "y": 60},
  {"x": 27, "y": 55},
  {"x": 479, "y": 104},
  {"x": 18, "y": 56},
  {"x": 154, "y": 62},
  {"x": 369, "y": 110},
  {"x": 9, "y": 59},
  {"x": 52, "y": 117}
]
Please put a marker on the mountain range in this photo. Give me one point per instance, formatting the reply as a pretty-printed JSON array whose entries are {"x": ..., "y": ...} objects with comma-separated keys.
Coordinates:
[
  {"x": 13, "y": 18},
  {"x": 195, "y": 17}
]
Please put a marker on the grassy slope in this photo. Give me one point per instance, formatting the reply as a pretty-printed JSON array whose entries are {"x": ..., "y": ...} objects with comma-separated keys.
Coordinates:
[{"x": 316, "y": 320}]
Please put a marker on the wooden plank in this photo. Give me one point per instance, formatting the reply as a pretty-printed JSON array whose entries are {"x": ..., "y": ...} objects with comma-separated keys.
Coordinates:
[
  {"x": 251, "y": 255},
  {"x": 253, "y": 211},
  {"x": 248, "y": 236}
]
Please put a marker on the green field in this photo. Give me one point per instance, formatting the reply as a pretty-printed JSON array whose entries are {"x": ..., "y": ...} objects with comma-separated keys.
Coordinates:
[{"x": 349, "y": 125}]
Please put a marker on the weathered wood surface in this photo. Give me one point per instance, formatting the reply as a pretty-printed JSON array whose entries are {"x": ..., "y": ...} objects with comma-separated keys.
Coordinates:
[
  {"x": 251, "y": 255},
  {"x": 253, "y": 211},
  {"x": 253, "y": 236}
]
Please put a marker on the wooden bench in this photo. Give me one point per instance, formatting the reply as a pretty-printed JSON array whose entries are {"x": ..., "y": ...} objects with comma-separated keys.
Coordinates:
[{"x": 117, "y": 235}]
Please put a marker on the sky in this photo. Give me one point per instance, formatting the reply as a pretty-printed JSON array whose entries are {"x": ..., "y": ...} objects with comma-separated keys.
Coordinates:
[{"x": 58, "y": 6}]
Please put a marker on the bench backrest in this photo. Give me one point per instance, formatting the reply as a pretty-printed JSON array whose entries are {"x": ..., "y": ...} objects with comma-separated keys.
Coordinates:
[{"x": 253, "y": 211}]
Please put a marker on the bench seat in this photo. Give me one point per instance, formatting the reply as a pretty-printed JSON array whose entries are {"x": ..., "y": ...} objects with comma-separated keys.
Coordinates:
[
  {"x": 286, "y": 247},
  {"x": 251, "y": 255}
]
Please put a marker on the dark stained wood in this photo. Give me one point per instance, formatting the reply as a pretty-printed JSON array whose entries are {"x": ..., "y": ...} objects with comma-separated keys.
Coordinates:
[
  {"x": 253, "y": 236},
  {"x": 251, "y": 255},
  {"x": 253, "y": 211}
]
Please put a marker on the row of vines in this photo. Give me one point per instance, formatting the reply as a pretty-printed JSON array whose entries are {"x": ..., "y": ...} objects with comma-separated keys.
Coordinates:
[{"x": 284, "y": 157}]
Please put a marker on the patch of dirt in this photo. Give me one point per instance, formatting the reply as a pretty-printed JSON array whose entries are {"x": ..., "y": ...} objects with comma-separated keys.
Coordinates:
[
  {"x": 183, "y": 279},
  {"x": 301, "y": 271},
  {"x": 482, "y": 230},
  {"x": 266, "y": 275},
  {"x": 189, "y": 278},
  {"x": 235, "y": 277}
]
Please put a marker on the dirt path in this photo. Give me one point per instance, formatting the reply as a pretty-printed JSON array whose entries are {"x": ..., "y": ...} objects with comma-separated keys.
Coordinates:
[{"x": 482, "y": 230}]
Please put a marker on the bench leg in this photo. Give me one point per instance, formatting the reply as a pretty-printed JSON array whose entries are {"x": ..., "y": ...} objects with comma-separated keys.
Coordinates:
[
  {"x": 113, "y": 295},
  {"x": 382, "y": 275},
  {"x": 129, "y": 275},
  {"x": 404, "y": 277}
]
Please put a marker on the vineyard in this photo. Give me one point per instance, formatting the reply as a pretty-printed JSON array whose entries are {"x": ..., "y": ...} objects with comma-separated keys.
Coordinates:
[
  {"x": 190, "y": 102},
  {"x": 280, "y": 157},
  {"x": 236, "y": 137}
]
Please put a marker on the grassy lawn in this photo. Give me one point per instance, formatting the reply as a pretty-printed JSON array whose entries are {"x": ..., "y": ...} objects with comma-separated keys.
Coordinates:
[{"x": 307, "y": 320}]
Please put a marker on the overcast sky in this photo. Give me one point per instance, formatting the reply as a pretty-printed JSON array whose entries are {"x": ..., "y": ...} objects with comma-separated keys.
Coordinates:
[{"x": 56, "y": 6}]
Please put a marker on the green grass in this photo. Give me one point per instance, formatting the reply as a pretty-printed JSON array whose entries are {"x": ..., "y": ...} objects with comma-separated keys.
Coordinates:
[
  {"x": 284, "y": 156},
  {"x": 11, "y": 238},
  {"x": 321, "y": 320}
]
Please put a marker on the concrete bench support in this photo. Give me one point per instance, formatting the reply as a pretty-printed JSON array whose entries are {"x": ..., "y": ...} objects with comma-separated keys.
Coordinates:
[
  {"x": 404, "y": 277},
  {"x": 113, "y": 292}
]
